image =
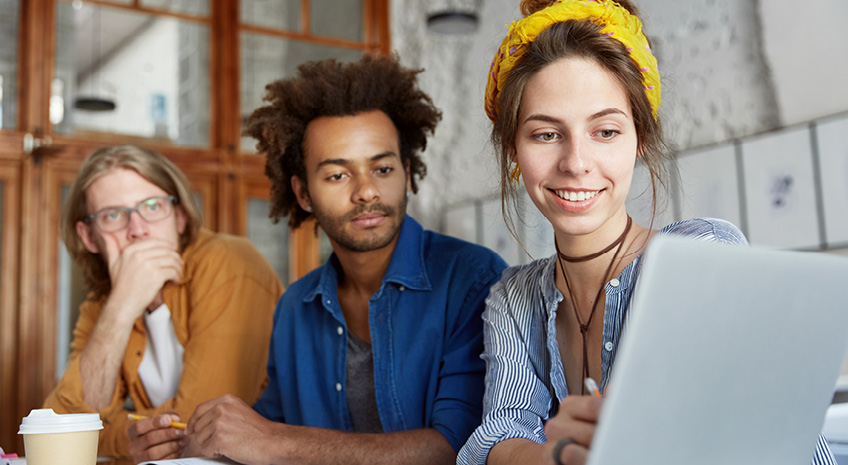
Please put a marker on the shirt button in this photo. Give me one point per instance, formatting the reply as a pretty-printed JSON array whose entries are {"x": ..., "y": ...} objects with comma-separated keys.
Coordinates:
[
  {"x": 615, "y": 282},
  {"x": 338, "y": 386},
  {"x": 402, "y": 288},
  {"x": 608, "y": 346},
  {"x": 340, "y": 330},
  {"x": 328, "y": 302}
]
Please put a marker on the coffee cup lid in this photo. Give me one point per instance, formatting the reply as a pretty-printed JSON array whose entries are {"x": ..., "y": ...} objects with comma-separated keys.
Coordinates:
[{"x": 45, "y": 421}]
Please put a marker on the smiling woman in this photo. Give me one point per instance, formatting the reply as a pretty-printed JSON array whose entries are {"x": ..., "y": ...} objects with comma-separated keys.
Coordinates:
[{"x": 573, "y": 93}]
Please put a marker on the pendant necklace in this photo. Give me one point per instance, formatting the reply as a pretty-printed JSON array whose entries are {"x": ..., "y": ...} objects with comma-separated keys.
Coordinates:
[{"x": 584, "y": 327}]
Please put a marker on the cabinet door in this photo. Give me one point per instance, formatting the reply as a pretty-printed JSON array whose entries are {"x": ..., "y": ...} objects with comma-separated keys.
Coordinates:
[{"x": 9, "y": 198}]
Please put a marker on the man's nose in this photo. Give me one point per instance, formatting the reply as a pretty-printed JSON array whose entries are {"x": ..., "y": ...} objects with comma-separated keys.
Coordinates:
[
  {"x": 137, "y": 226},
  {"x": 366, "y": 190}
]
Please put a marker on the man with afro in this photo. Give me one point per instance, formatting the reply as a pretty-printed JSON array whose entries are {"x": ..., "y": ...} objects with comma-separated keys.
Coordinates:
[{"x": 375, "y": 356}]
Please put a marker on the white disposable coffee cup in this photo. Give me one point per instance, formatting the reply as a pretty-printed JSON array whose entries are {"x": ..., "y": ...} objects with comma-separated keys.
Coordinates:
[{"x": 70, "y": 439}]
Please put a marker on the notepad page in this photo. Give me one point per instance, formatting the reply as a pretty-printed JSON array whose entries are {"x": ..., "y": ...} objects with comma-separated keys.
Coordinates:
[{"x": 190, "y": 461}]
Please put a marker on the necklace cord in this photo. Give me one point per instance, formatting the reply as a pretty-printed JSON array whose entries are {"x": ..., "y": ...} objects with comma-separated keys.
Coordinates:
[{"x": 584, "y": 328}]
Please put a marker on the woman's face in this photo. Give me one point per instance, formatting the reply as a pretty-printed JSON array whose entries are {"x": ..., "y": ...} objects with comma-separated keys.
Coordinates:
[{"x": 576, "y": 145}]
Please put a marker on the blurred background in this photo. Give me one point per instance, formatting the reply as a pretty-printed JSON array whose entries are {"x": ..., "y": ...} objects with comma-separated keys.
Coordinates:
[{"x": 755, "y": 108}]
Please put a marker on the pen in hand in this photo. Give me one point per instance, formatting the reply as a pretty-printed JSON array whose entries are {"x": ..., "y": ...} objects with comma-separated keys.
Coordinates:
[
  {"x": 174, "y": 424},
  {"x": 592, "y": 387}
]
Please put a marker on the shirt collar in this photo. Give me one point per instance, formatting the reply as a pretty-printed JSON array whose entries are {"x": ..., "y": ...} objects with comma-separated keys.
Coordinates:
[{"x": 407, "y": 266}]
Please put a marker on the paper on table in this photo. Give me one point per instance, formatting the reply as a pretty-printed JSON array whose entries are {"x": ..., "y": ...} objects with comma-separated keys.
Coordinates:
[{"x": 190, "y": 461}]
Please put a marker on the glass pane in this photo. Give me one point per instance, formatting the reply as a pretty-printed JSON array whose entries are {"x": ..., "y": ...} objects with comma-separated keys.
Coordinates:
[
  {"x": 9, "y": 21},
  {"x": 265, "y": 59},
  {"x": 336, "y": 18},
  {"x": 192, "y": 7},
  {"x": 129, "y": 73},
  {"x": 271, "y": 239},
  {"x": 278, "y": 14},
  {"x": 69, "y": 298}
]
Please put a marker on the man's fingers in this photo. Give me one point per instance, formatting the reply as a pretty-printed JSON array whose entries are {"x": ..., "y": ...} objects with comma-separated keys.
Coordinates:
[
  {"x": 152, "y": 431},
  {"x": 113, "y": 252},
  {"x": 165, "y": 450},
  {"x": 142, "y": 427},
  {"x": 197, "y": 420}
]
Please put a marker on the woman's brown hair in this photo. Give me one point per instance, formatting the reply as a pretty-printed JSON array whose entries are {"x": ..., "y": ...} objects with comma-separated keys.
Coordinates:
[{"x": 576, "y": 39}]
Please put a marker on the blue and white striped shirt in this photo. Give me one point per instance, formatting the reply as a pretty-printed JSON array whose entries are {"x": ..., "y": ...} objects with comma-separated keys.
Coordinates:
[{"x": 524, "y": 373}]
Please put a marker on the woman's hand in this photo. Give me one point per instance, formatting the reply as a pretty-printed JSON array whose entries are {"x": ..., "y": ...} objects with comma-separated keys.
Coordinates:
[{"x": 571, "y": 431}]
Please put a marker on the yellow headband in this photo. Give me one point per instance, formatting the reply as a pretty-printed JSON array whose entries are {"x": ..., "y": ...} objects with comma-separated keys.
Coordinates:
[{"x": 617, "y": 23}]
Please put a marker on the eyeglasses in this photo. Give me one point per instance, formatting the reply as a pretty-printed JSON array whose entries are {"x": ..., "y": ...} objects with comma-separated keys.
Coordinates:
[{"x": 114, "y": 219}]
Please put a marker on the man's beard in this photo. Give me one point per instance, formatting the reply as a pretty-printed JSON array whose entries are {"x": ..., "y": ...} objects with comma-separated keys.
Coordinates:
[{"x": 334, "y": 227}]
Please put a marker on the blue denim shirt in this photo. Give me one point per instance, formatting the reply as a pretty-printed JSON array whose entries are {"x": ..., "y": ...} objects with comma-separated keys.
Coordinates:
[{"x": 426, "y": 340}]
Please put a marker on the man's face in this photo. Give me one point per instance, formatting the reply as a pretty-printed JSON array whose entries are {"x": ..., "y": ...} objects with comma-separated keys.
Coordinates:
[
  {"x": 357, "y": 182},
  {"x": 126, "y": 188}
]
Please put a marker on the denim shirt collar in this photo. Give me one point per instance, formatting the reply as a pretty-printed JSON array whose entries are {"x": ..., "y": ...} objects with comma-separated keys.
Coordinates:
[{"x": 406, "y": 268}]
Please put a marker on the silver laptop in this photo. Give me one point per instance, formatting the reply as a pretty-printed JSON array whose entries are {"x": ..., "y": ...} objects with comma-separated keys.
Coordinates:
[{"x": 730, "y": 356}]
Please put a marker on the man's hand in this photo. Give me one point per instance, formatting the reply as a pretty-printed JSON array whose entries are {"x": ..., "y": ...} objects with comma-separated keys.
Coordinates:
[
  {"x": 154, "y": 439},
  {"x": 228, "y": 427},
  {"x": 575, "y": 421},
  {"x": 140, "y": 271}
]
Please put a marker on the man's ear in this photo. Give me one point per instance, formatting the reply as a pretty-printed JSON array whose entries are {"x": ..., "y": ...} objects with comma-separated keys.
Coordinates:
[
  {"x": 86, "y": 235},
  {"x": 302, "y": 194},
  {"x": 408, "y": 177}
]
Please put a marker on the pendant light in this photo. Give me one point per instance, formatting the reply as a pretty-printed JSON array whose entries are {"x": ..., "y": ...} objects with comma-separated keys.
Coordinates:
[
  {"x": 453, "y": 16},
  {"x": 95, "y": 101}
]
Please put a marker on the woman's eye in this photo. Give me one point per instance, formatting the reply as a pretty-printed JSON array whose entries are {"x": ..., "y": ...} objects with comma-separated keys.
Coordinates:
[
  {"x": 547, "y": 136},
  {"x": 607, "y": 133}
]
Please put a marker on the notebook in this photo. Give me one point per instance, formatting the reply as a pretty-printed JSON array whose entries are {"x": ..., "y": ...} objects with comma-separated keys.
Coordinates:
[
  {"x": 730, "y": 356},
  {"x": 190, "y": 461}
]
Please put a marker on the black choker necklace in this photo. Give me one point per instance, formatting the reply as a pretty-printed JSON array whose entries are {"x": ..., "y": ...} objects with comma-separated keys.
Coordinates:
[{"x": 584, "y": 327}]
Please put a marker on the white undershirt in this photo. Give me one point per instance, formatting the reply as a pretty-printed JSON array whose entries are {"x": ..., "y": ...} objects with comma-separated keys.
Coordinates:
[{"x": 162, "y": 364}]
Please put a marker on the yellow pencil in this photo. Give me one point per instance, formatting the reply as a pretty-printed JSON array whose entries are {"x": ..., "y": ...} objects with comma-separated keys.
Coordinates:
[{"x": 174, "y": 424}]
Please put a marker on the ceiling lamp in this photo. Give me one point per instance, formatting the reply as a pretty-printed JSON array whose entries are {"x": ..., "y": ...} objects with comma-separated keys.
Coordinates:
[
  {"x": 453, "y": 17},
  {"x": 95, "y": 102}
]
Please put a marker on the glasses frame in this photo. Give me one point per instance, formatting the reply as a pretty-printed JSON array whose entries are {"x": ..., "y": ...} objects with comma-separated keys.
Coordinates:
[{"x": 92, "y": 218}]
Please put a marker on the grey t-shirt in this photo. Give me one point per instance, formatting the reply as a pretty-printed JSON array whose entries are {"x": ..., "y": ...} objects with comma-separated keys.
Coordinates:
[{"x": 361, "y": 400}]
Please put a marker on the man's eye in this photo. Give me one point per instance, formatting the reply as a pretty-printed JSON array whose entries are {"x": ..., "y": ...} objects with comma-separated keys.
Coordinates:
[
  {"x": 385, "y": 170},
  {"x": 111, "y": 216},
  {"x": 151, "y": 205}
]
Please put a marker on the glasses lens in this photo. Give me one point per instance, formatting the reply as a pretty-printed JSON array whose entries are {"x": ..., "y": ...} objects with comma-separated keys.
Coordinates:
[
  {"x": 155, "y": 208},
  {"x": 112, "y": 219}
]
